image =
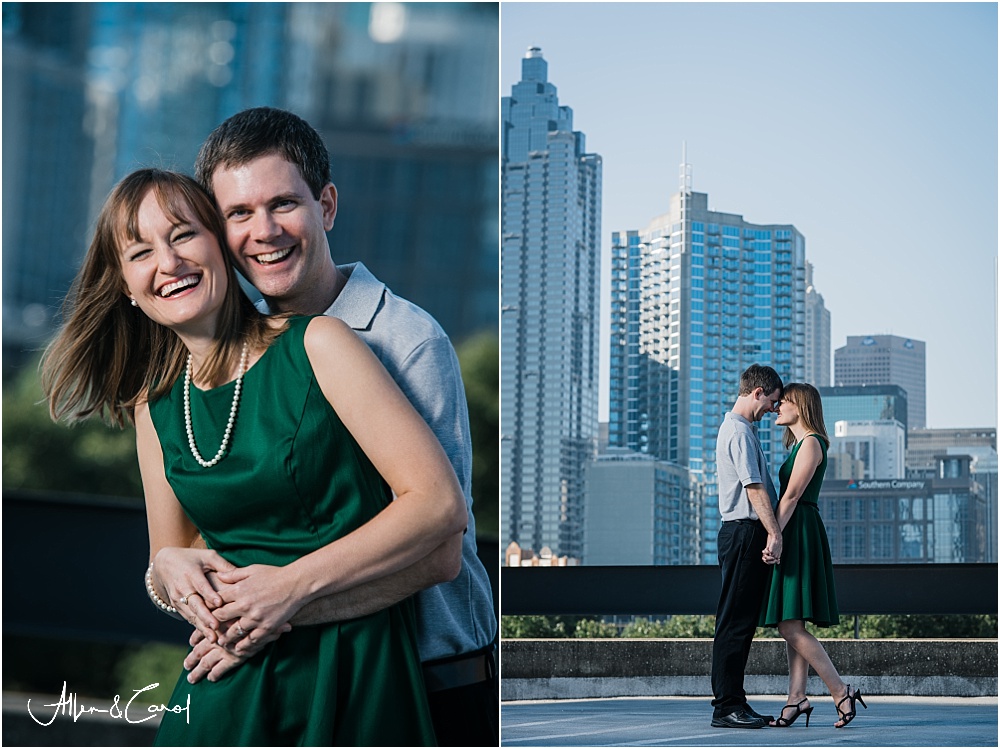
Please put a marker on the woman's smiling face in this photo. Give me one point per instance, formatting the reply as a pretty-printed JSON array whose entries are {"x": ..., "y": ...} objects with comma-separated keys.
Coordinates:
[{"x": 174, "y": 269}]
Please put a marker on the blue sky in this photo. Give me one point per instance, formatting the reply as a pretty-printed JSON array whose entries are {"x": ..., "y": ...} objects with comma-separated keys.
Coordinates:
[{"x": 870, "y": 126}]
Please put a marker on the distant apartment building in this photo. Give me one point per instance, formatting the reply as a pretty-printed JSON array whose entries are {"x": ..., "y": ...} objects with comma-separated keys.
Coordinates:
[
  {"x": 886, "y": 360},
  {"x": 817, "y": 357},
  {"x": 696, "y": 297},
  {"x": 640, "y": 511},
  {"x": 550, "y": 301}
]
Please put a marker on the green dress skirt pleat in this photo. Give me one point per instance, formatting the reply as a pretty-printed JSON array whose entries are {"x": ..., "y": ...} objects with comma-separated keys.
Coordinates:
[
  {"x": 802, "y": 586},
  {"x": 292, "y": 481}
]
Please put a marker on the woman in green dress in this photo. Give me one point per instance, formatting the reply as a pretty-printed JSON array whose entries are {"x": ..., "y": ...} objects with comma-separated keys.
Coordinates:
[
  {"x": 275, "y": 442},
  {"x": 801, "y": 587}
]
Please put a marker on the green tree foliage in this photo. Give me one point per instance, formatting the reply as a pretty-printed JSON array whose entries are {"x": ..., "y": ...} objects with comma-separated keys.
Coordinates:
[
  {"x": 881, "y": 626},
  {"x": 593, "y": 628},
  {"x": 539, "y": 626},
  {"x": 479, "y": 358},
  {"x": 674, "y": 626},
  {"x": 87, "y": 458}
]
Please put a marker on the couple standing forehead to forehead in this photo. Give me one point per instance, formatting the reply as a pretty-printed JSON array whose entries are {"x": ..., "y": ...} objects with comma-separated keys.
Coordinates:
[
  {"x": 773, "y": 551},
  {"x": 271, "y": 449}
]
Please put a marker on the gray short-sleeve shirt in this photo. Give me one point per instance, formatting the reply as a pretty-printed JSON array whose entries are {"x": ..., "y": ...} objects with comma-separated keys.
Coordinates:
[{"x": 739, "y": 462}]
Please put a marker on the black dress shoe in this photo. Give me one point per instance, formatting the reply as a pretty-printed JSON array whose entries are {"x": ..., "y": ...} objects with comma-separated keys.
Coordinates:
[
  {"x": 738, "y": 719},
  {"x": 754, "y": 714}
]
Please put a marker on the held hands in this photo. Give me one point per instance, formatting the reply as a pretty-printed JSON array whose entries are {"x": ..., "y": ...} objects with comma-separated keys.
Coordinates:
[
  {"x": 212, "y": 661},
  {"x": 183, "y": 574},
  {"x": 772, "y": 552},
  {"x": 235, "y": 611},
  {"x": 258, "y": 606},
  {"x": 249, "y": 618}
]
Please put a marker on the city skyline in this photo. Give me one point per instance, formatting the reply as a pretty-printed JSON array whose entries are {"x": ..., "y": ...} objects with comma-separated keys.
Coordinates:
[{"x": 882, "y": 151}]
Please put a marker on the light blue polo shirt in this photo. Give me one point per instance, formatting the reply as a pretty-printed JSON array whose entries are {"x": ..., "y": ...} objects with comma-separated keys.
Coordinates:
[
  {"x": 739, "y": 462},
  {"x": 455, "y": 617}
]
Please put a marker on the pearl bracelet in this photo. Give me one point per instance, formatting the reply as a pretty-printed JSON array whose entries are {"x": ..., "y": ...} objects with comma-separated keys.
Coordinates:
[{"x": 151, "y": 591}]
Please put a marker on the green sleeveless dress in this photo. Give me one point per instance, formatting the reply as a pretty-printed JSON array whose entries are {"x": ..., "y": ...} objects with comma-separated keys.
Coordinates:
[
  {"x": 802, "y": 586},
  {"x": 292, "y": 481}
]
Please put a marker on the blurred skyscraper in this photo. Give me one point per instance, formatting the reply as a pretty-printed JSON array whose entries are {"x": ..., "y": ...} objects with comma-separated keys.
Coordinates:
[
  {"x": 886, "y": 360},
  {"x": 696, "y": 298},
  {"x": 47, "y": 163},
  {"x": 550, "y": 286},
  {"x": 403, "y": 95}
]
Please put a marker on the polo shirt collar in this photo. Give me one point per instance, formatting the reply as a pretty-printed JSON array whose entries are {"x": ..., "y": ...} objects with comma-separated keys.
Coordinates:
[
  {"x": 359, "y": 300},
  {"x": 736, "y": 417}
]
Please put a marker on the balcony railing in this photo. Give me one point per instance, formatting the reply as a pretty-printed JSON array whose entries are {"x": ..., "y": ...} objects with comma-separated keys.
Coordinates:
[{"x": 694, "y": 589}]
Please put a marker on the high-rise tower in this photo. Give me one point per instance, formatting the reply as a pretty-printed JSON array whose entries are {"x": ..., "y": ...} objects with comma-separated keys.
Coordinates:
[
  {"x": 716, "y": 294},
  {"x": 817, "y": 370},
  {"x": 550, "y": 297},
  {"x": 886, "y": 360}
]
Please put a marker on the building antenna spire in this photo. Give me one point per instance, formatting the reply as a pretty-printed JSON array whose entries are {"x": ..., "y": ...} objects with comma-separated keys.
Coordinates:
[{"x": 685, "y": 171}]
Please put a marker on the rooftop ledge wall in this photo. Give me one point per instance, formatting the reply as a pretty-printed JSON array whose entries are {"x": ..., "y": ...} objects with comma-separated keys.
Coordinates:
[{"x": 579, "y": 668}]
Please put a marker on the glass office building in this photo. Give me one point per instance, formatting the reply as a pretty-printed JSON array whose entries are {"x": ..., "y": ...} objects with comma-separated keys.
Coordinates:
[
  {"x": 550, "y": 287},
  {"x": 716, "y": 293},
  {"x": 870, "y": 403},
  {"x": 939, "y": 518}
]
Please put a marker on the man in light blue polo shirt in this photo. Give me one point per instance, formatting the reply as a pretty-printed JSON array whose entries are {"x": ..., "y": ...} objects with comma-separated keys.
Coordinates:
[
  {"x": 270, "y": 175},
  {"x": 749, "y": 540}
]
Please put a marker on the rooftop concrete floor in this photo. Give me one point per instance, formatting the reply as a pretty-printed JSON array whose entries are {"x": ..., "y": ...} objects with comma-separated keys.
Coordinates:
[{"x": 685, "y": 721}]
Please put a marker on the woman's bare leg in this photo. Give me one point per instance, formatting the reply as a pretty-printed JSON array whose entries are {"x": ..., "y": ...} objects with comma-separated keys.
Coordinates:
[
  {"x": 798, "y": 671},
  {"x": 812, "y": 654}
]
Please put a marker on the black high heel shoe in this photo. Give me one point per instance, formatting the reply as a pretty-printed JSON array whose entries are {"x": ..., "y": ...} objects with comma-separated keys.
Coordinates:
[
  {"x": 783, "y": 722},
  {"x": 848, "y": 716}
]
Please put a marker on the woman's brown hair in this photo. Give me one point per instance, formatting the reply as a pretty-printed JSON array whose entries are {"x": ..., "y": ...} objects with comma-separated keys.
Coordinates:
[
  {"x": 108, "y": 356},
  {"x": 806, "y": 399}
]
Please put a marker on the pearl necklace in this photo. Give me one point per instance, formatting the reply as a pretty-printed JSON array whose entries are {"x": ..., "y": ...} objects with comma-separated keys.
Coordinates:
[{"x": 232, "y": 412}]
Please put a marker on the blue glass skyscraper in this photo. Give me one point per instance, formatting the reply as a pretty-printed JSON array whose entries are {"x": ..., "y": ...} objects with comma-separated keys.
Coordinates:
[
  {"x": 716, "y": 294},
  {"x": 624, "y": 392},
  {"x": 550, "y": 285}
]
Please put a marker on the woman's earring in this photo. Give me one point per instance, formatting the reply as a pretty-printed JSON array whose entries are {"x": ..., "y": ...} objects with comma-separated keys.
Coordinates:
[{"x": 134, "y": 302}]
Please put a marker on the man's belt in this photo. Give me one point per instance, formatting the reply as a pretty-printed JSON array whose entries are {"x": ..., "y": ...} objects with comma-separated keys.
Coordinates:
[{"x": 459, "y": 672}]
